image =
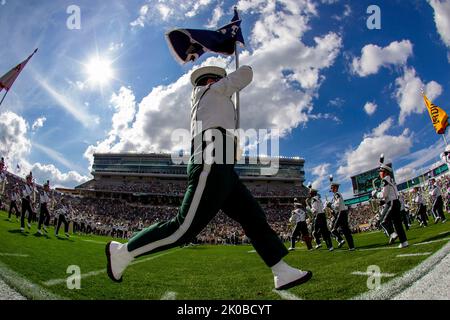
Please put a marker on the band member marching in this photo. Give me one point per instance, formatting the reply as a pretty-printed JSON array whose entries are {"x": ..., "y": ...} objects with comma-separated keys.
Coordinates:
[
  {"x": 320, "y": 227},
  {"x": 389, "y": 195},
  {"x": 341, "y": 217},
  {"x": 3, "y": 180},
  {"x": 438, "y": 203},
  {"x": 403, "y": 213},
  {"x": 14, "y": 197},
  {"x": 298, "y": 218},
  {"x": 27, "y": 193},
  {"x": 212, "y": 185},
  {"x": 421, "y": 209},
  {"x": 62, "y": 213},
  {"x": 44, "y": 216}
]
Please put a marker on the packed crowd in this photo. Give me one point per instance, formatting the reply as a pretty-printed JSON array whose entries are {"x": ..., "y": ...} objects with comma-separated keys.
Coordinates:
[
  {"x": 119, "y": 218},
  {"x": 177, "y": 188}
]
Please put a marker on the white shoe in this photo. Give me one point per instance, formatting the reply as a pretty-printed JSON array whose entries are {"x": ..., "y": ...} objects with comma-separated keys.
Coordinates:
[
  {"x": 444, "y": 221},
  {"x": 291, "y": 278},
  {"x": 29, "y": 225},
  {"x": 403, "y": 244},
  {"x": 393, "y": 237},
  {"x": 318, "y": 246},
  {"x": 437, "y": 219},
  {"x": 118, "y": 259},
  {"x": 291, "y": 249},
  {"x": 351, "y": 249},
  {"x": 67, "y": 235},
  {"x": 341, "y": 243},
  {"x": 40, "y": 232},
  {"x": 45, "y": 229},
  {"x": 22, "y": 229},
  {"x": 330, "y": 249}
]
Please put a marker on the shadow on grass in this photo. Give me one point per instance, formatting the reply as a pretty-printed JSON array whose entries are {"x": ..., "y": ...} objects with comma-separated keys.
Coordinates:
[
  {"x": 65, "y": 239},
  {"x": 25, "y": 234},
  {"x": 437, "y": 237}
]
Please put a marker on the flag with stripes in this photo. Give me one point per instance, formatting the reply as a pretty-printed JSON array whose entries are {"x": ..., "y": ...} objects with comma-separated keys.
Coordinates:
[{"x": 439, "y": 117}]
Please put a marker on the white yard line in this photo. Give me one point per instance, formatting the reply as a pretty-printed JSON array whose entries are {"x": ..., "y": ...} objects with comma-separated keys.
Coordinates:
[
  {"x": 414, "y": 254},
  {"x": 5, "y": 254},
  {"x": 54, "y": 282},
  {"x": 285, "y": 295},
  {"x": 169, "y": 295},
  {"x": 373, "y": 274},
  {"x": 428, "y": 242}
]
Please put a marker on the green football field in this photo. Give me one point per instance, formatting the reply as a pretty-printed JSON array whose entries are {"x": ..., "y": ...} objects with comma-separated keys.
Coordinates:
[{"x": 37, "y": 267}]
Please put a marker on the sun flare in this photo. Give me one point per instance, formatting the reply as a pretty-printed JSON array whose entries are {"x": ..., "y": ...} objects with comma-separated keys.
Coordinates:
[{"x": 99, "y": 71}]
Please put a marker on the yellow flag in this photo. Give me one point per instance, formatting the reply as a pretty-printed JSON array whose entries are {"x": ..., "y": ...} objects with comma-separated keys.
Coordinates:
[{"x": 437, "y": 115}]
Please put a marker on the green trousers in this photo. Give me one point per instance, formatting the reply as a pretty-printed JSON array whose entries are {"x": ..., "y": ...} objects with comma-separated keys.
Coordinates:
[{"x": 211, "y": 188}]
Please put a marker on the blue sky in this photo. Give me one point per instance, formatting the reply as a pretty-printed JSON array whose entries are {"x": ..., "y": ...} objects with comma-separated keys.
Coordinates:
[{"x": 340, "y": 93}]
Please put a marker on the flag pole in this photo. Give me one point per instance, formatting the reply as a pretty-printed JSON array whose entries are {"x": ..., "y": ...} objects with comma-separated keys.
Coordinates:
[
  {"x": 445, "y": 139},
  {"x": 237, "y": 102},
  {"x": 4, "y": 96}
]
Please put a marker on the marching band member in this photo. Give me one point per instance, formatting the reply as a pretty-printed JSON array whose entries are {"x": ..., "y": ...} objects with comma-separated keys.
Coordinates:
[
  {"x": 14, "y": 197},
  {"x": 298, "y": 218},
  {"x": 341, "y": 219},
  {"x": 62, "y": 212},
  {"x": 212, "y": 186},
  {"x": 27, "y": 193},
  {"x": 389, "y": 195},
  {"x": 421, "y": 211},
  {"x": 438, "y": 203},
  {"x": 320, "y": 221},
  {"x": 44, "y": 216}
]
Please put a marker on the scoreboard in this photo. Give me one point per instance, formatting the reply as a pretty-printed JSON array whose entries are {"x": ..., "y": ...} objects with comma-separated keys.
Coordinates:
[{"x": 362, "y": 183}]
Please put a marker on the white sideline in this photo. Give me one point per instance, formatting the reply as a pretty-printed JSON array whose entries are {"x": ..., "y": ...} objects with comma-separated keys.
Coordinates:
[
  {"x": 54, "y": 282},
  {"x": 169, "y": 295},
  {"x": 396, "y": 286},
  {"x": 414, "y": 254},
  {"x": 285, "y": 295}
]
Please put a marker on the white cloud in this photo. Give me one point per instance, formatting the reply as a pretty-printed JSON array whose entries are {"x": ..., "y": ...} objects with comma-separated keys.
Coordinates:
[
  {"x": 370, "y": 108},
  {"x": 15, "y": 147},
  {"x": 404, "y": 174},
  {"x": 3, "y": 2},
  {"x": 321, "y": 172},
  {"x": 374, "y": 57},
  {"x": 44, "y": 172},
  {"x": 366, "y": 155},
  {"x": 442, "y": 19},
  {"x": 38, "y": 123},
  {"x": 408, "y": 93},
  {"x": 347, "y": 12},
  {"x": 155, "y": 11},
  {"x": 217, "y": 14},
  {"x": 14, "y": 144},
  {"x": 287, "y": 76},
  {"x": 338, "y": 102}
]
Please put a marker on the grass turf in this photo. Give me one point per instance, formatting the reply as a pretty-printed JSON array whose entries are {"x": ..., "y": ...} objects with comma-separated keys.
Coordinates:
[{"x": 206, "y": 272}]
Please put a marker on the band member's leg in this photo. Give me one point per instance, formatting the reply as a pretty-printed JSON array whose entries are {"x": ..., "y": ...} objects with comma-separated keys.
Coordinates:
[
  {"x": 295, "y": 234},
  {"x": 440, "y": 208},
  {"x": 342, "y": 223},
  {"x": 242, "y": 207},
  {"x": 208, "y": 187},
  {"x": 305, "y": 234},
  {"x": 335, "y": 229},
  {"x": 324, "y": 230},
  {"x": 58, "y": 225},
  {"x": 397, "y": 221},
  {"x": 316, "y": 231}
]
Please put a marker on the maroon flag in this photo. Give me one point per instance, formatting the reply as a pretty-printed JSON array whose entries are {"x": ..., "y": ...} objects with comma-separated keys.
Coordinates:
[{"x": 8, "y": 79}]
